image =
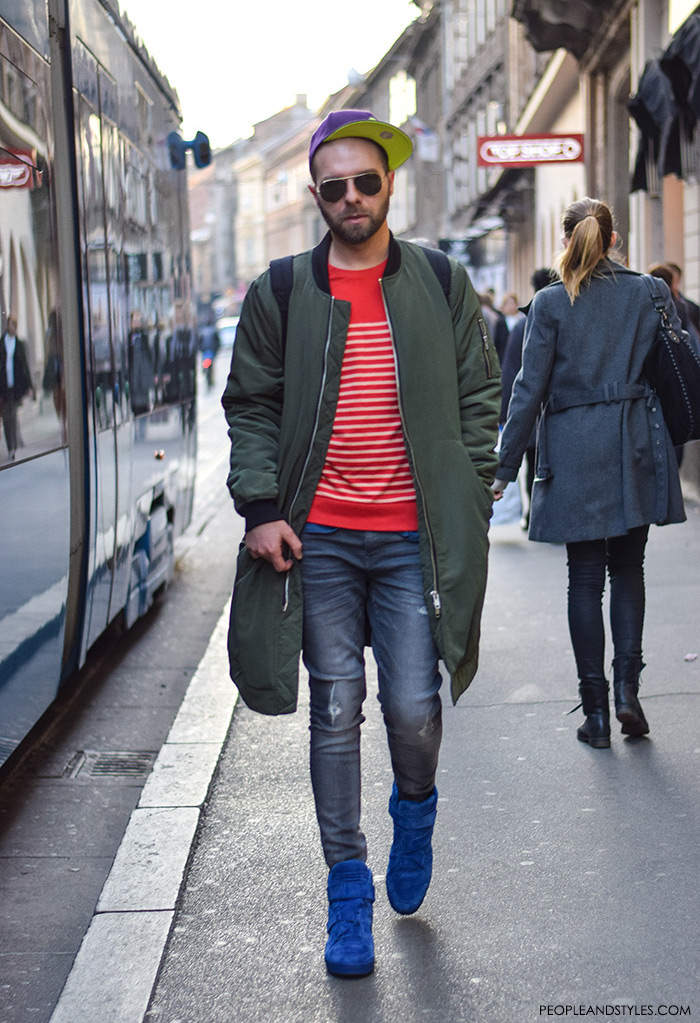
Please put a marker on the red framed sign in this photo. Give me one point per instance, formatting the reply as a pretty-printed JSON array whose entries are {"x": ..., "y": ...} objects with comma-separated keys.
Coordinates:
[
  {"x": 17, "y": 168},
  {"x": 528, "y": 150}
]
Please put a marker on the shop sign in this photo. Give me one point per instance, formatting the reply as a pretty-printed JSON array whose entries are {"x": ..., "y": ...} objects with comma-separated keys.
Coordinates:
[
  {"x": 508, "y": 151},
  {"x": 16, "y": 168}
]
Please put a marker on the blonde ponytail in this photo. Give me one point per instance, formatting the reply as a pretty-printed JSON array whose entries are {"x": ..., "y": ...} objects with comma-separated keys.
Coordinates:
[{"x": 588, "y": 226}]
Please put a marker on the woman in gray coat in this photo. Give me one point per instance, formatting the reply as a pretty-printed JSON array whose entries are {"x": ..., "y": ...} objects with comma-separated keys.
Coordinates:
[{"x": 606, "y": 467}]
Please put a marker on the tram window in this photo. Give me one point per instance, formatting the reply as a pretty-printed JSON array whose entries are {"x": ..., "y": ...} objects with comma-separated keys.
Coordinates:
[
  {"x": 141, "y": 364},
  {"x": 97, "y": 306},
  {"x": 113, "y": 163},
  {"x": 153, "y": 199},
  {"x": 101, "y": 368},
  {"x": 120, "y": 332},
  {"x": 178, "y": 357},
  {"x": 32, "y": 386},
  {"x": 135, "y": 196}
]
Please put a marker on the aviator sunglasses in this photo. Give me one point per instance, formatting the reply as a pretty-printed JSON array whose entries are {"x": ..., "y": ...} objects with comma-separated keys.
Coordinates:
[{"x": 333, "y": 189}]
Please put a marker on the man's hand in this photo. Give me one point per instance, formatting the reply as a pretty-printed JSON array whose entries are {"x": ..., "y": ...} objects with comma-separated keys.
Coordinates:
[{"x": 273, "y": 541}]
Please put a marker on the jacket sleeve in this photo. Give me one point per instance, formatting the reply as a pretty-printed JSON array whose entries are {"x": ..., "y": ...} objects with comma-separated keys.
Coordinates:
[
  {"x": 479, "y": 377},
  {"x": 252, "y": 402},
  {"x": 530, "y": 387}
]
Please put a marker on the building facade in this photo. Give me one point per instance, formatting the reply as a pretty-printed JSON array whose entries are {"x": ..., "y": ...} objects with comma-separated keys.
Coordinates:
[{"x": 465, "y": 69}]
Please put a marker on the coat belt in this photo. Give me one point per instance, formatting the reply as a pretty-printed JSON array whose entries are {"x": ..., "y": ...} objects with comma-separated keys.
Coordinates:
[
  {"x": 597, "y": 395},
  {"x": 558, "y": 401}
]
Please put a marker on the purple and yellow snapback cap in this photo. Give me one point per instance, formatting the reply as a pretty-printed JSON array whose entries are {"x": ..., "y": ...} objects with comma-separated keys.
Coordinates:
[{"x": 361, "y": 124}]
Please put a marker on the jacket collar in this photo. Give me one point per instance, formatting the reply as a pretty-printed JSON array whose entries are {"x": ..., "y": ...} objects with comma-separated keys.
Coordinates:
[
  {"x": 608, "y": 267},
  {"x": 319, "y": 261},
  {"x": 611, "y": 267}
]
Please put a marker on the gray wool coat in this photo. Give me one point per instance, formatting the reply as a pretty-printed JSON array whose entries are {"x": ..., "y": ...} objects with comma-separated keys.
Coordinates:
[{"x": 605, "y": 462}]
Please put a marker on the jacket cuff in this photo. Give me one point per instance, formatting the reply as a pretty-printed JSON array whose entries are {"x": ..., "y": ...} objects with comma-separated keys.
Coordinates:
[
  {"x": 508, "y": 475},
  {"x": 256, "y": 513}
]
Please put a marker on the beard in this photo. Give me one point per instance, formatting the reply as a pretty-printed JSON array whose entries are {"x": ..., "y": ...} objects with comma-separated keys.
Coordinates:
[{"x": 355, "y": 234}]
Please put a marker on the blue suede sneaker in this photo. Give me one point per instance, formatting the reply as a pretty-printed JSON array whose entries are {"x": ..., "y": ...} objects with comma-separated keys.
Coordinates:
[
  {"x": 350, "y": 947},
  {"x": 411, "y": 858}
]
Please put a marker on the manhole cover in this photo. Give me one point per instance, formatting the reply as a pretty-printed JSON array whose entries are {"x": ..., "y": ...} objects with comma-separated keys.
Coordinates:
[{"x": 112, "y": 764}]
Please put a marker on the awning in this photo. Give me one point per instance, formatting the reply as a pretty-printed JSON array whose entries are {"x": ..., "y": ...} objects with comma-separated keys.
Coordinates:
[
  {"x": 666, "y": 109},
  {"x": 506, "y": 204}
]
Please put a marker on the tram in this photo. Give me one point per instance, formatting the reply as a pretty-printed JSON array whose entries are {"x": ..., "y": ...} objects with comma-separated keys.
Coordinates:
[{"x": 97, "y": 347}]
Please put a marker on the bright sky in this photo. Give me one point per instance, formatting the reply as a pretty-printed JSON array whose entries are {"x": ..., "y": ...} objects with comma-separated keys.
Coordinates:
[{"x": 235, "y": 62}]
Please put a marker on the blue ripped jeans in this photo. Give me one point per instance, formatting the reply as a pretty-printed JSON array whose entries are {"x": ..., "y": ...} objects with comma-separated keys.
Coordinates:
[{"x": 352, "y": 578}]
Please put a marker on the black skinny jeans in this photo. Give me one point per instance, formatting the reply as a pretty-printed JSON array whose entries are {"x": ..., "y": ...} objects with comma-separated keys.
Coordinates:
[{"x": 623, "y": 556}]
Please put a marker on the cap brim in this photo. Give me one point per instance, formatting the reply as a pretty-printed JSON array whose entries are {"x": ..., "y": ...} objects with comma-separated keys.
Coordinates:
[{"x": 395, "y": 143}]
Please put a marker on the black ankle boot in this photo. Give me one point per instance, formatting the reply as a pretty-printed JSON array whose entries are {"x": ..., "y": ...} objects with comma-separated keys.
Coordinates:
[
  {"x": 628, "y": 709},
  {"x": 594, "y": 700}
]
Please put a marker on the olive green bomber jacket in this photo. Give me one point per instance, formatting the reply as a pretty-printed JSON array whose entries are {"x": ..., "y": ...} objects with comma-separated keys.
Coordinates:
[{"x": 280, "y": 402}]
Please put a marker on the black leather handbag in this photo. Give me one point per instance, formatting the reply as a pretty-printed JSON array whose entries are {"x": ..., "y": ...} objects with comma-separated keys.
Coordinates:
[{"x": 672, "y": 369}]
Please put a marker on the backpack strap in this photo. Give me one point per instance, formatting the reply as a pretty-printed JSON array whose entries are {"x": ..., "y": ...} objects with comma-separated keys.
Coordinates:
[
  {"x": 282, "y": 281},
  {"x": 440, "y": 265}
]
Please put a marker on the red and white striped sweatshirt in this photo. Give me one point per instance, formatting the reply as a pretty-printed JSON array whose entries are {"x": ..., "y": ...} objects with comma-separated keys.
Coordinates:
[{"x": 366, "y": 482}]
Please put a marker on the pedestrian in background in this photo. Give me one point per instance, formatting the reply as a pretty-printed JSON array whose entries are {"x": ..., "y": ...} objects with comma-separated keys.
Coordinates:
[
  {"x": 605, "y": 462},
  {"x": 15, "y": 384},
  {"x": 511, "y": 311},
  {"x": 693, "y": 309},
  {"x": 362, "y": 453},
  {"x": 664, "y": 272},
  {"x": 510, "y": 367}
]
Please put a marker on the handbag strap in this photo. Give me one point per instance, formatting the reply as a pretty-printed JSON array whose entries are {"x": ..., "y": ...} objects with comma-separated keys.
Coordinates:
[
  {"x": 659, "y": 301},
  {"x": 657, "y": 295}
]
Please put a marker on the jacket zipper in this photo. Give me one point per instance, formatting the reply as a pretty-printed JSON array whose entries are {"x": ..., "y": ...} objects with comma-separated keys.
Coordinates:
[
  {"x": 313, "y": 436},
  {"x": 434, "y": 593},
  {"x": 485, "y": 345}
]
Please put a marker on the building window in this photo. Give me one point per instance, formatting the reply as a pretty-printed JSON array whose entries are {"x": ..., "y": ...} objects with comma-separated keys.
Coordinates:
[
  {"x": 402, "y": 98},
  {"x": 460, "y": 47}
]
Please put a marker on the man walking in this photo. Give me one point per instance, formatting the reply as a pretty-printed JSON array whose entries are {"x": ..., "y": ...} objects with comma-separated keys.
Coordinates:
[
  {"x": 362, "y": 406},
  {"x": 15, "y": 383}
]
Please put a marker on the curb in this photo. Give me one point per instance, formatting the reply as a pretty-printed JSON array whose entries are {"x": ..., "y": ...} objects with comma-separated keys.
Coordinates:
[{"x": 115, "y": 970}]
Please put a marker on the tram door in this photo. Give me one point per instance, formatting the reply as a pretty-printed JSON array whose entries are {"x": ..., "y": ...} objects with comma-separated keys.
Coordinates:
[{"x": 109, "y": 421}]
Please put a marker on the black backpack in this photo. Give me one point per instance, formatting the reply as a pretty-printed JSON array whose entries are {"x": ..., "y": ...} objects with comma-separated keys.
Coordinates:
[
  {"x": 672, "y": 368},
  {"x": 282, "y": 279}
]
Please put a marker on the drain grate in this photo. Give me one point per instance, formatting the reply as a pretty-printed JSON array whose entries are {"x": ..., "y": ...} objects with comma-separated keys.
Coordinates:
[{"x": 112, "y": 764}]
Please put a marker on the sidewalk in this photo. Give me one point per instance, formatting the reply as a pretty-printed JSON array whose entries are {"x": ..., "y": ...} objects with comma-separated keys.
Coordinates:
[{"x": 563, "y": 875}]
